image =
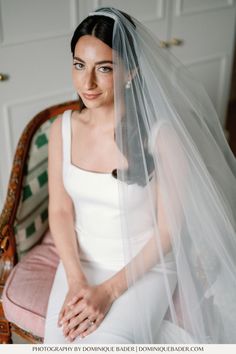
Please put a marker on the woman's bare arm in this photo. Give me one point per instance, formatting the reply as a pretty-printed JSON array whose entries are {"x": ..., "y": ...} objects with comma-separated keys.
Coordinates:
[
  {"x": 148, "y": 257},
  {"x": 61, "y": 210}
]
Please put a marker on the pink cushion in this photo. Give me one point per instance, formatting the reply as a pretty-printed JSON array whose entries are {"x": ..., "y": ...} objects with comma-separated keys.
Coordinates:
[{"x": 26, "y": 293}]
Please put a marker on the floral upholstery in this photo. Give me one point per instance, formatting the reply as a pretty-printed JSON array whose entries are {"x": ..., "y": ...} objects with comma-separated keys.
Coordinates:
[{"x": 32, "y": 215}]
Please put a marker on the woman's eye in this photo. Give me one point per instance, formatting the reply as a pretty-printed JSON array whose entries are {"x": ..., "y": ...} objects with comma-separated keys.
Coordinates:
[
  {"x": 78, "y": 66},
  {"x": 105, "y": 69}
]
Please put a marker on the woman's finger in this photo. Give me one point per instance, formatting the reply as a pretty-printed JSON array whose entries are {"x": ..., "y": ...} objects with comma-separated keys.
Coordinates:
[
  {"x": 85, "y": 326},
  {"x": 73, "y": 311},
  {"x": 68, "y": 325},
  {"x": 65, "y": 328},
  {"x": 61, "y": 314},
  {"x": 73, "y": 324},
  {"x": 91, "y": 328},
  {"x": 76, "y": 298},
  {"x": 77, "y": 320},
  {"x": 73, "y": 300}
]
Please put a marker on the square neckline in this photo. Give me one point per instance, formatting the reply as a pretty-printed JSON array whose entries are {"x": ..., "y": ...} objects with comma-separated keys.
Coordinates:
[{"x": 70, "y": 154}]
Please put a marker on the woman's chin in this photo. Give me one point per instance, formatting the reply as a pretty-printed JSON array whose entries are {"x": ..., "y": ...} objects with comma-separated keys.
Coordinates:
[{"x": 93, "y": 105}]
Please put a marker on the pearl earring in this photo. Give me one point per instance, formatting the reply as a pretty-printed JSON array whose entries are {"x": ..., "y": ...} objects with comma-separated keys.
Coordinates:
[{"x": 128, "y": 84}]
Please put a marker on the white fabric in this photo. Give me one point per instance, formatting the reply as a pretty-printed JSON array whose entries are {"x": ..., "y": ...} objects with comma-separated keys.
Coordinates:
[
  {"x": 117, "y": 326},
  {"x": 99, "y": 230},
  {"x": 98, "y": 211},
  {"x": 104, "y": 14},
  {"x": 196, "y": 175}
]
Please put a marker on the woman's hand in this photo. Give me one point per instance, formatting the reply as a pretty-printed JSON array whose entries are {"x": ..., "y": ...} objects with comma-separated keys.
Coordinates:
[
  {"x": 85, "y": 312},
  {"x": 72, "y": 293}
]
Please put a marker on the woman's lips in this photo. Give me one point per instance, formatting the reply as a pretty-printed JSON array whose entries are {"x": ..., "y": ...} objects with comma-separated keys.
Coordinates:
[{"x": 90, "y": 96}]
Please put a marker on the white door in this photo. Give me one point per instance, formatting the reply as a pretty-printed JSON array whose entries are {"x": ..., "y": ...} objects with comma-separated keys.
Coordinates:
[
  {"x": 207, "y": 28},
  {"x": 35, "y": 60}
]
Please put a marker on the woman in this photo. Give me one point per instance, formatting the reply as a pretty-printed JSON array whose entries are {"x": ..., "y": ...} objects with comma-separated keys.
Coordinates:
[{"x": 141, "y": 213}]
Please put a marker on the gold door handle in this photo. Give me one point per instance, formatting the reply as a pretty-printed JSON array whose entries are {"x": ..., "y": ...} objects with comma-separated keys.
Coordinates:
[
  {"x": 3, "y": 77},
  {"x": 164, "y": 44},
  {"x": 175, "y": 41}
]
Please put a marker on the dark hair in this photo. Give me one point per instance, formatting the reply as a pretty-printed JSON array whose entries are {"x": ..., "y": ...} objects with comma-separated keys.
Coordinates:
[{"x": 101, "y": 27}]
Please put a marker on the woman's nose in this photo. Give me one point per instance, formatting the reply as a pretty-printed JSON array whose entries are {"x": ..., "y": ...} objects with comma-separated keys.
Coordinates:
[{"x": 90, "y": 80}]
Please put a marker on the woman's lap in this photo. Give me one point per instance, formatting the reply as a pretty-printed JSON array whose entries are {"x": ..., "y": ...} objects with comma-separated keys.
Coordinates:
[{"x": 125, "y": 322}]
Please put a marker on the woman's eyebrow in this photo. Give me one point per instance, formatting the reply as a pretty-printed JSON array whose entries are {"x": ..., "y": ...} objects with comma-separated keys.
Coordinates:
[{"x": 98, "y": 62}]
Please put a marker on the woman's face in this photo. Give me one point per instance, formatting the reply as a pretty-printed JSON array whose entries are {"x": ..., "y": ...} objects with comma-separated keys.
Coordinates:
[{"x": 93, "y": 72}]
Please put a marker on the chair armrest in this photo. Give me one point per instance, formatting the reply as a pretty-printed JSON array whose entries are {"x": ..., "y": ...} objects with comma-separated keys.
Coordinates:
[
  {"x": 7, "y": 217},
  {"x": 8, "y": 252}
]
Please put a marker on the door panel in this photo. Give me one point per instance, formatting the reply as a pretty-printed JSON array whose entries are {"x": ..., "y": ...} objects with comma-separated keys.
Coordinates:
[
  {"x": 35, "y": 56},
  {"x": 35, "y": 19},
  {"x": 207, "y": 29},
  {"x": 154, "y": 15}
]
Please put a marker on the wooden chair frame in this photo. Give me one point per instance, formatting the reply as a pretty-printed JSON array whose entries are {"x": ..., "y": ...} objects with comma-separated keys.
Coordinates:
[{"x": 8, "y": 256}]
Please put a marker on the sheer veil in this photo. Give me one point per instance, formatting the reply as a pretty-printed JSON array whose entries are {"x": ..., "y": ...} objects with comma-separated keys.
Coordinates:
[{"x": 182, "y": 174}]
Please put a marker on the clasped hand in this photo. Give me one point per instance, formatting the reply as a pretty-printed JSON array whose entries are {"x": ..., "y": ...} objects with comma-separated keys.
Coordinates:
[{"x": 84, "y": 310}]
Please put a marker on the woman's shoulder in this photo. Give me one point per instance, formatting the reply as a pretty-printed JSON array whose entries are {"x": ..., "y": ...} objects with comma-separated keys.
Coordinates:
[
  {"x": 154, "y": 132},
  {"x": 64, "y": 122},
  {"x": 57, "y": 123}
]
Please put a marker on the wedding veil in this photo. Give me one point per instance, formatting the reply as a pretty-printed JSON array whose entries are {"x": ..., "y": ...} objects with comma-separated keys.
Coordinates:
[{"x": 182, "y": 175}]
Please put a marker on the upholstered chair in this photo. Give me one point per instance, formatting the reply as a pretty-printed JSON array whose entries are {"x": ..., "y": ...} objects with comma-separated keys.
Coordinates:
[{"x": 28, "y": 255}]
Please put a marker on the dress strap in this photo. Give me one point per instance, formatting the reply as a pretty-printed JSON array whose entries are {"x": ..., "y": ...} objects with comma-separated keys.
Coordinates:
[{"x": 66, "y": 137}]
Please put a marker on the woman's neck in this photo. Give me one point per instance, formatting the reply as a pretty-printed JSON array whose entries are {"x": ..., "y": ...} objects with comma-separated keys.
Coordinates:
[{"x": 102, "y": 117}]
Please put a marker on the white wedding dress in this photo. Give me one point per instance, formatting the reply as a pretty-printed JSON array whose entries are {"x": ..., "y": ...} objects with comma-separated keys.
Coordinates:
[{"x": 99, "y": 231}]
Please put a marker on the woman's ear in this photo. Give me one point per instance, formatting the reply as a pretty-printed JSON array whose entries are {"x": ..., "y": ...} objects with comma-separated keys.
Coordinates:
[{"x": 132, "y": 74}]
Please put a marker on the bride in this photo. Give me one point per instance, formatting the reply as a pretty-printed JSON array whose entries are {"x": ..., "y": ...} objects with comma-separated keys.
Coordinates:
[{"x": 142, "y": 198}]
